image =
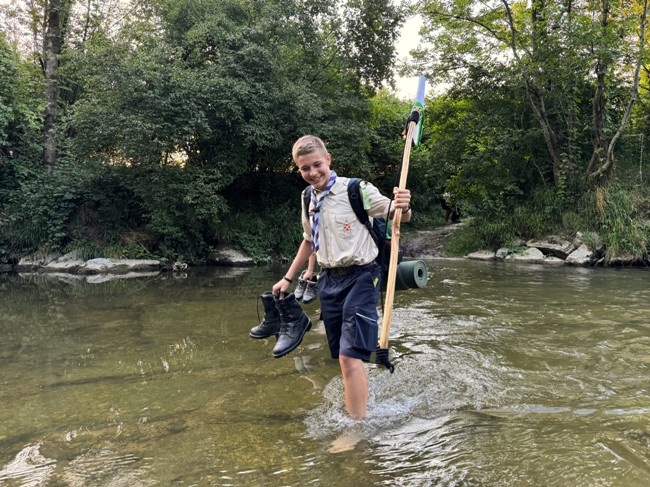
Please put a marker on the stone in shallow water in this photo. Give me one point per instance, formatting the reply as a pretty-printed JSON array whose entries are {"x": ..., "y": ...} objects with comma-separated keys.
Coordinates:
[
  {"x": 553, "y": 246},
  {"x": 482, "y": 255},
  {"x": 531, "y": 255},
  {"x": 581, "y": 256}
]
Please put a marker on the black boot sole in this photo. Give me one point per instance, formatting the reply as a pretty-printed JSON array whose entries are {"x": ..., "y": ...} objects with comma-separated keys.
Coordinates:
[
  {"x": 262, "y": 337},
  {"x": 288, "y": 351}
]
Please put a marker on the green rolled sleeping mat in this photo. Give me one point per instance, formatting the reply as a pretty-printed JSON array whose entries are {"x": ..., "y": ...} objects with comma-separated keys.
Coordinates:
[{"x": 411, "y": 274}]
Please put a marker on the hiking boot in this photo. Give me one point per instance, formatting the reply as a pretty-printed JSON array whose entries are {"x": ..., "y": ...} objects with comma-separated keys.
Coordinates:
[
  {"x": 294, "y": 323},
  {"x": 311, "y": 291},
  {"x": 300, "y": 287},
  {"x": 270, "y": 324}
]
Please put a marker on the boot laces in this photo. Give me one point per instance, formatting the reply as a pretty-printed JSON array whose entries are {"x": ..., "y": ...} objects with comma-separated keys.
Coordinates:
[{"x": 285, "y": 319}]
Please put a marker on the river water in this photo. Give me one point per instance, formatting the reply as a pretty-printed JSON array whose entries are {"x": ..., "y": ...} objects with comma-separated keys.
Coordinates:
[{"x": 506, "y": 375}]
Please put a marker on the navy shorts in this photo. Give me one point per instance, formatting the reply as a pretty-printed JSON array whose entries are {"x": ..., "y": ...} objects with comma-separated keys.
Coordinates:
[{"x": 349, "y": 310}]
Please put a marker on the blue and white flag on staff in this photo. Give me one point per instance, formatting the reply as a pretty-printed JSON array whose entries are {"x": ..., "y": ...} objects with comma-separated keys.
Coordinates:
[
  {"x": 419, "y": 106},
  {"x": 417, "y": 114}
]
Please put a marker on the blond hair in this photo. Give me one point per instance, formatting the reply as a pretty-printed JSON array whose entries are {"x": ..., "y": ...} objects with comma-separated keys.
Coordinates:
[{"x": 306, "y": 145}]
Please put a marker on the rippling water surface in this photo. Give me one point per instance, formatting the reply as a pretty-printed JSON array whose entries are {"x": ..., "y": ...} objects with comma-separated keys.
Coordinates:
[{"x": 506, "y": 375}]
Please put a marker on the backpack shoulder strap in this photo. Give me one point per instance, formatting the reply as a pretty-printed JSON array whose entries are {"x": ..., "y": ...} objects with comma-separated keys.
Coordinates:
[{"x": 356, "y": 201}]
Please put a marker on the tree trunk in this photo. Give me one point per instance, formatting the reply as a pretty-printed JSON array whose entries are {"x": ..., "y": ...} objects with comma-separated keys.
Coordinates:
[
  {"x": 534, "y": 95},
  {"x": 604, "y": 150},
  {"x": 553, "y": 143},
  {"x": 55, "y": 16},
  {"x": 599, "y": 139}
]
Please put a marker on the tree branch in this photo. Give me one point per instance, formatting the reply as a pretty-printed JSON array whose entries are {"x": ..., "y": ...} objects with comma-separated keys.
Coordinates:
[{"x": 609, "y": 159}]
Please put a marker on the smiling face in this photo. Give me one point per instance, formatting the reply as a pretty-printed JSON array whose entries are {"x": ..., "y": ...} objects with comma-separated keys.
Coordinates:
[
  {"x": 313, "y": 161},
  {"x": 315, "y": 168}
]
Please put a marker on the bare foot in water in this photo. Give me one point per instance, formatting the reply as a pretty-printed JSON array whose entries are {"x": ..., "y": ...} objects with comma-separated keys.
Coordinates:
[{"x": 346, "y": 442}]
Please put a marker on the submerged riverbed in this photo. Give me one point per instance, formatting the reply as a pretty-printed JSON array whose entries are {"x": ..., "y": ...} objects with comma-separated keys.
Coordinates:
[{"x": 505, "y": 375}]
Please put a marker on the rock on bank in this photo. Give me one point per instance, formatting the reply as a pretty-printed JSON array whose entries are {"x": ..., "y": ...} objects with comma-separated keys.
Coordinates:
[{"x": 71, "y": 264}]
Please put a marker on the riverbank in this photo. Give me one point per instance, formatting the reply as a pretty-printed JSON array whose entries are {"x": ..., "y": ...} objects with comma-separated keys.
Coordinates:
[
  {"x": 416, "y": 244},
  {"x": 423, "y": 244},
  {"x": 548, "y": 250},
  {"x": 428, "y": 244}
]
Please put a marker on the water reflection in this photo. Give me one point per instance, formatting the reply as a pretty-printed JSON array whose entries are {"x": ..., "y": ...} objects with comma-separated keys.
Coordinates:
[{"x": 505, "y": 375}]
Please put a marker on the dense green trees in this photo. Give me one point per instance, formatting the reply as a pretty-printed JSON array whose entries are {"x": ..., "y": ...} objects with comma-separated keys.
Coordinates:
[
  {"x": 576, "y": 64},
  {"x": 174, "y": 130},
  {"x": 165, "y": 127},
  {"x": 541, "y": 96}
]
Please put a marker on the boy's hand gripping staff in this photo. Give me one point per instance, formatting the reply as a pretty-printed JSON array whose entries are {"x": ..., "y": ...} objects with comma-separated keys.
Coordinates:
[{"x": 413, "y": 132}]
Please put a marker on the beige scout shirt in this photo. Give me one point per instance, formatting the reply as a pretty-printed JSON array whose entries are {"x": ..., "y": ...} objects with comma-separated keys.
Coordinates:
[{"x": 344, "y": 240}]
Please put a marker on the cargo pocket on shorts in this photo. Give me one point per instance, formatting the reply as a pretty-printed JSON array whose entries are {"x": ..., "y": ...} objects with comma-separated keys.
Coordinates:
[{"x": 366, "y": 329}]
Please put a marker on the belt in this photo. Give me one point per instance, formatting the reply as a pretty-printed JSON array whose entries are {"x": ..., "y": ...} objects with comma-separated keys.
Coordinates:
[{"x": 344, "y": 271}]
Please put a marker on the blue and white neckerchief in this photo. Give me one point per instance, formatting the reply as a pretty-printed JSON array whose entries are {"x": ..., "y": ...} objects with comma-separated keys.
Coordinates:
[{"x": 316, "y": 204}]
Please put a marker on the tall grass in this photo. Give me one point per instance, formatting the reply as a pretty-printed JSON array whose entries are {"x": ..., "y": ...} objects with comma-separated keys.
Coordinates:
[
  {"x": 621, "y": 218},
  {"x": 613, "y": 219}
]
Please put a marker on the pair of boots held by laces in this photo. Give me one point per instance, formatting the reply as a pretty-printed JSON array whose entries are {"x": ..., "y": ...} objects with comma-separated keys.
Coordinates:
[
  {"x": 306, "y": 289},
  {"x": 283, "y": 318}
]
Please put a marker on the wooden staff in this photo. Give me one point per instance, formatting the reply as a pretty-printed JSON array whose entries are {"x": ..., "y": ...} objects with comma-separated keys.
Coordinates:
[{"x": 382, "y": 351}]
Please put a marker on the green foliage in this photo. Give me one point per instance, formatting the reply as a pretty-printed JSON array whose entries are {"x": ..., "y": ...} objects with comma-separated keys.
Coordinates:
[
  {"x": 170, "y": 123},
  {"x": 541, "y": 213},
  {"x": 480, "y": 235},
  {"x": 20, "y": 110},
  {"x": 186, "y": 104},
  {"x": 162, "y": 210},
  {"x": 204, "y": 94},
  {"x": 37, "y": 213},
  {"x": 125, "y": 250},
  {"x": 548, "y": 50},
  {"x": 265, "y": 220},
  {"x": 528, "y": 222},
  {"x": 387, "y": 117},
  {"x": 180, "y": 207},
  {"x": 623, "y": 230},
  {"x": 177, "y": 126},
  {"x": 370, "y": 32},
  {"x": 612, "y": 219},
  {"x": 481, "y": 151},
  {"x": 276, "y": 233}
]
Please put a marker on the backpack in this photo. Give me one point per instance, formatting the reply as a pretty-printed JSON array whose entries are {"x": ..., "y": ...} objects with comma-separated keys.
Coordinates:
[{"x": 377, "y": 228}]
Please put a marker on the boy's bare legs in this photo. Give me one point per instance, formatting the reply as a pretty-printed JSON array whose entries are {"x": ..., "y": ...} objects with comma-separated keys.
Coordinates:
[
  {"x": 355, "y": 386},
  {"x": 355, "y": 389}
]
